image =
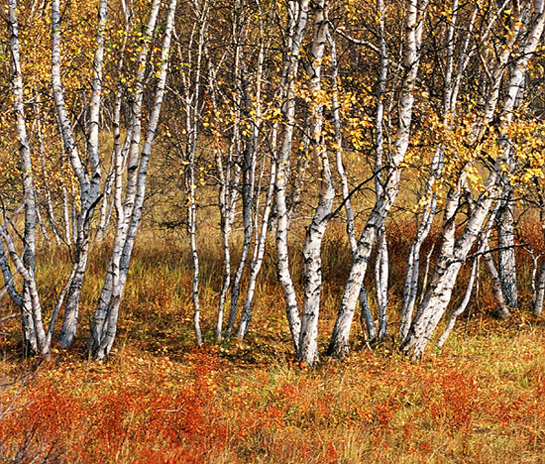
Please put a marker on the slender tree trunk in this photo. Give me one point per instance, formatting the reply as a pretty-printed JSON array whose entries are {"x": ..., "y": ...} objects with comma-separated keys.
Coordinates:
[
  {"x": 312, "y": 263},
  {"x": 381, "y": 279},
  {"x": 229, "y": 177},
  {"x": 339, "y": 344},
  {"x": 443, "y": 279},
  {"x": 540, "y": 292},
  {"x": 248, "y": 185},
  {"x": 482, "y": 249},
  {"x": 449, "y": 103},
  {"x": 33, "y": 330},
  {"x": 192, "y": 108},
  {"x": 35, "y": 340},
  {"x": 381, "y": 265},
  {"x": 89, "y": 186},
  {"x": 298, "y": 13},
  {"x": 9, "y": 285},
  {"x": 255, "y": 267},
  {"x": 40, "y": 220},
  {"x": 449, "y": 262},
  {"x": 366, "y": 318},
  {"x": 502, "y": 311},
  {"x": 462, "y": 306},
  {"x": 119, "y": 151},
  {"x": 539, "y": 297},
  {"x": 104, "y": 326}
]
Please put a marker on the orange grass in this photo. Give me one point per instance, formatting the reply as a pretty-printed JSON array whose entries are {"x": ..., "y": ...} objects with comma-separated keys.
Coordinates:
[
  {"x": 159, "y": 400},
  {"x": 480, "y": 401}
]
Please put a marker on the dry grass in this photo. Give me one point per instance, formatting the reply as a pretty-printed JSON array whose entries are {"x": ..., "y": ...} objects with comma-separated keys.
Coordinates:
[{"x": 158, "y": 400}]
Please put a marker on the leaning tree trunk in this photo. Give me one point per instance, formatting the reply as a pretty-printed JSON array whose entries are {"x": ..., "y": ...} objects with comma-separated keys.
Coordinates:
[
  {"x": 104, "y": 326},
  {"x": 312, "y": 262},
  {"x": 298, "y": 12},
  {"x": 439, "y": 293},
  {"x": 367, "y": 321},
  {"x": 33, "y": 330},
  {"x": 482, "y": 249},
  {"x": 339, "y": 344},
  {"x": 448, "y": 110},
  {"x": 89, "y": 185}
]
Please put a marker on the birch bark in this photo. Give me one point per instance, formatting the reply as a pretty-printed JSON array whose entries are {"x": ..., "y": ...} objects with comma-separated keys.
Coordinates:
[
  {"x": 367, "y": 322},
  {"x": 339, "y": 344},
  {"x": 261, "y": 236},
  {"x": 312, "y": 263},
  {"x": 482, "y": 249},
  {"x": 31, "y": 311},
  {"x": 507, "y": 267},
  {"x": 539, "y": 297},
  {"x": 104, "y": 325},
  {"x": 446, "y": 270},
  {"x": 298, "y": 13},
  {"x": 89, "y": 184}
]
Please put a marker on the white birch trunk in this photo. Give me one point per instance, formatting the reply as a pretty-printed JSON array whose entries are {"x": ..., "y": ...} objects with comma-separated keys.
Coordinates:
[
  {"x": 312, "y": 263},
  {"x": 339, "y": 344},
  {"x": 448, "y": 265},
  {"x": 507, "y": 268},
  {"x": 118, "y": 152},
  {"x": 438, "y": 294},
  {"x": 229, "y": 179},
  {"x": 255, "y": 267},
  {"x": 368, "y": 325},
  {"x": 298, "y": 12},
  {"x": 104, "y": 326},
  {"x": 31, "y": 306},
  {"x": 539, "y": 291},
  {"x": 381, "y": 264},
  {"x": 99, "y": 326},
  {"x": 33, "y": 330},
  {"x": 43, "y": 166},
  {"x": 481, "y": 249},
  {"x": 224, "y": 203},
  {"x": 89, "y": 185},
  {"x": 381, "y": 280},
  {"x": 260, "y": 235},
  {"x": 502, "y": 311},
  {"x": 248, "y": 185},
  {"x": 449, "y": 103},
  {"x": 40, "y": 220},
  {"x": 9, "y": 285},
  {"x": 462, "y": 306}
]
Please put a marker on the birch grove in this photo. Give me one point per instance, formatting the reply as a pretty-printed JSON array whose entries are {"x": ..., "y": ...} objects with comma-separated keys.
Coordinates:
[{"x": 275, "y": 129}]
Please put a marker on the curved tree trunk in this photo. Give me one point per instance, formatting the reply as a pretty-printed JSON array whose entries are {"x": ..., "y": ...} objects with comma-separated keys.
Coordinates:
[{"x": 339, "y": 344}]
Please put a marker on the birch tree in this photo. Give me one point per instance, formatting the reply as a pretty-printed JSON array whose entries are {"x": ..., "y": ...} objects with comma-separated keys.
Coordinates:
[
  {"x": 367, "y": 321},
  {"x": 312, "y": 264},
  {"x": 89, "y": 182},
  {"x": 455, "y": 251},
  {"x": 34, "y": 336},
  {"x": 129, "y": 210},
  {"x": 297, "y": 21},
  {"x": 414, "y": 25}
]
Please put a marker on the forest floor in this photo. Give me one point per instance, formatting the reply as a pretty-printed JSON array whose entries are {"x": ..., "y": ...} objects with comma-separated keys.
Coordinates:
[{"x": 160, "y": 400}]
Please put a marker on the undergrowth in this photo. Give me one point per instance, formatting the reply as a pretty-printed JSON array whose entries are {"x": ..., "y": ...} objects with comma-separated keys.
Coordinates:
[{"x": 160, "y": 400}]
